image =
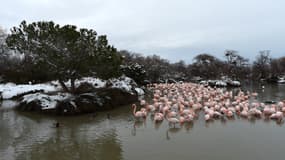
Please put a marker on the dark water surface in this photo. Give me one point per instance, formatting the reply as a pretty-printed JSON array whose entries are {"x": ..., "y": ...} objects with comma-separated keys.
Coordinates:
[{"x": 32, "y": 136}]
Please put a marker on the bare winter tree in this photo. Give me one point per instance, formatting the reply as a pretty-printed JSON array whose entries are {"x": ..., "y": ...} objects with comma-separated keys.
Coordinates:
[
  {"x": 3, "y": 49},
  {"x": 261, "y": 66},
  {"x": 3, "y": 36},
  {"x": 277, "y": 66},
  {"x": 237, "y": 66}
]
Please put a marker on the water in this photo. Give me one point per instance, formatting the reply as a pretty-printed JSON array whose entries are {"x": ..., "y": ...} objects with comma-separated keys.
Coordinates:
[{"x": 32, "y": 136}]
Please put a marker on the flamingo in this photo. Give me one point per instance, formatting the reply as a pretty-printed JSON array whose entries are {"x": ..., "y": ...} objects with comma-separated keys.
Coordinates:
[
  {"x": 189, "y": 118},
  {"x": 244, "y": 113},
  {"x": 267, "y": 111},
  {"x": 207, "y": 117},
  {"x": 158, "y": 117},
  {"x": 184, "y": 111},
  {"x": 229, "y": 114},
  {"x": 138, "y": 114},
  {"x": 278, "y": 115},
  {"x": 217, "y": 114},
  {"x": 173, "y": 120},
  {"x": 254, "y": 94},
  {"x": 181, "y": 119},
  {"x": 179, "y": 102}
]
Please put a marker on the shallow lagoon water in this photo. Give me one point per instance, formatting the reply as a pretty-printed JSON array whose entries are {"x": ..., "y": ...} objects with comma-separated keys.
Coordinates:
[{"x": 32, "y": 136}]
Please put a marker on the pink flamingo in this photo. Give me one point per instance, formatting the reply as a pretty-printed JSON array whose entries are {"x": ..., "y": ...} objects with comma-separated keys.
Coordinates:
[
  {"x": 278, "y": 115},
  {"x": 229, "y": 114},
  {"x": 189, "y": 118},
  {"x": 173, "y": 120},
  {"x": 138, "y": 114},
  {"x": 158, "y": 117},
  {"x": 244, "y": 113},
  {"x": 207, "y": 117}
]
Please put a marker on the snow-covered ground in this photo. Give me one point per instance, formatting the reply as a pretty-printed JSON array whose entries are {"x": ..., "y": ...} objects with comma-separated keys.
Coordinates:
[
  {"x": 139, "y": 91},
  {"x": 46, "y": 101},
  {"x": 96, "y": 82},
  {"x": 10, "y": 90},
  {"x": 124, "y": 83}
]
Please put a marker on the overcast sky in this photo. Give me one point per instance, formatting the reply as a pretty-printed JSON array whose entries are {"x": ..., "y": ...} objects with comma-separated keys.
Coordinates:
[{"x": 173, "y": 29}]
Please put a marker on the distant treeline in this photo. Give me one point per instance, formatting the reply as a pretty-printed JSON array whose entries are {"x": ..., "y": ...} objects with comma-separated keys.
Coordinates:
[
  {"x": 43, "y": 51},
  {"x": 207, "y": 66}
]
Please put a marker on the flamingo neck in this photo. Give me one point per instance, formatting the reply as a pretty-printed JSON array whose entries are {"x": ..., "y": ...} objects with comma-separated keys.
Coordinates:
[{"x": 134, "y": 109}]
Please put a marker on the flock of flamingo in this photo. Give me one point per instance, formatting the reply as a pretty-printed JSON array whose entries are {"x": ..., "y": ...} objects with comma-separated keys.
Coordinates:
[{"x": 183, "y": 102}]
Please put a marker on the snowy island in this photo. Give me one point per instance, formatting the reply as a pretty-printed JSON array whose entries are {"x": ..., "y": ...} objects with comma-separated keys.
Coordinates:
[{"x": 92, "y": 95}]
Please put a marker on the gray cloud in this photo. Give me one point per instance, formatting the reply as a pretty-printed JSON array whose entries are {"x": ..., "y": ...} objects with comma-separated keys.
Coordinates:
[{"x": 172, "y": 29}]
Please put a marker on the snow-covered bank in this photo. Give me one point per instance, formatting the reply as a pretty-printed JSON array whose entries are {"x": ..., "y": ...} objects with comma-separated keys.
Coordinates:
[
  {"x": 44, "y": 100},
  {"x": 124, "y": 83},
  {"x": 10, "y": 90},
  {"x": 93, "y": 94},
  {"x": 221, "y": 83},
  {"x": 95, "y": 82}
]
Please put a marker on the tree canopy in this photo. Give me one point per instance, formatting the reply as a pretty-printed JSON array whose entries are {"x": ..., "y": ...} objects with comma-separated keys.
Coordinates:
[{"x": 65, "y": 52}]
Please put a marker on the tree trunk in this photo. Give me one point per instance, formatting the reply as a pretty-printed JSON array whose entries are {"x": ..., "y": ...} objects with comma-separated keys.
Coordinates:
[
  {"x": 65, "y": 89},
  {"x": 72, "y": 82}
]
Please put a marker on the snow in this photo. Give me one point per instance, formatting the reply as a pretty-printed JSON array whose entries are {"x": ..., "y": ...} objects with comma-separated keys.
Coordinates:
[
  {"x": 96, "y": 82},
  {"x": 10, "y": 90},
  {"x": 221, "y": 83},
  {"x": 236, "y": 83},
  {"x": 139, "y": 91},
  {"x": 204, "y": 82},
  {"x": 46, "y": 101},
  {"x": 124, "y": 83}
]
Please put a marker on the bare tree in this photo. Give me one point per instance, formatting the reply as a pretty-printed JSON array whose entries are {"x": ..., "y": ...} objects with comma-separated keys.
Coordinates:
[
  {"x": 237, "y": 66},
  {"x": 261, "y": 66},
  {"x": 3, "y": 35},
  {"x": 277, "y": 66}
]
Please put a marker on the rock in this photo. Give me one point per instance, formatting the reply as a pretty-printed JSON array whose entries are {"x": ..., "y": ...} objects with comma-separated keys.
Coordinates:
[
  {"x": 139, "y": 91},
  {"x": 116, "y": 97},
  {"x": 85, "y": 88},
  {"x": 220, "y": 83},
  {"x": 233, "y": 83},
  {"x": 171, "y": 81},
  {"x": 146, "y": 82},
  {"x": 27, "y": 93},
  {"x": 160, "y": 81},
  {"x": 41, "y": 101},
  {"x": 270, "y": 102},
  {"x": 104, "y": 99},
  {"x": 67, "y": 107},
  {"x": 66, "y": 104},
  {"x": 203, "y": 82},
  {"x": 90, "y": 102}
]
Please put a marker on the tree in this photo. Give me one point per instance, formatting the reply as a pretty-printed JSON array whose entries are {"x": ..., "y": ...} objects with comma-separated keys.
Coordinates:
[
  {"x": 206, "y": 66},
  {"x": 3, "y": 36},
  {"x": 237, "y": 66},
  {"x": 156, "y": 68},
  {"x": 261, "y": 66},
  {"x": 65, "y": 52},
  {"x": 277, "y": 66},
  {"x": 282, "y": 65},
  {"x": 179, "y": 70},
  {"x": 134, "y": 71},
  {"x": 3, "y": 51}
]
